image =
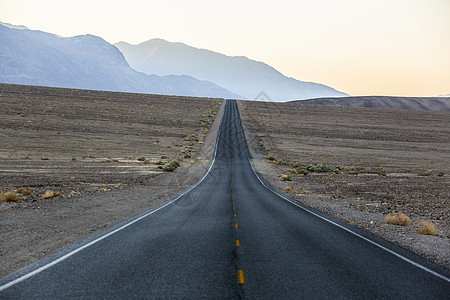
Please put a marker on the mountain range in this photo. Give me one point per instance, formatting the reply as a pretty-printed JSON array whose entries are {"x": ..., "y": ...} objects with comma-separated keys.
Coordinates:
[
  {"x": 85, "y": 62},
  {"x": 251, "y": 79}
]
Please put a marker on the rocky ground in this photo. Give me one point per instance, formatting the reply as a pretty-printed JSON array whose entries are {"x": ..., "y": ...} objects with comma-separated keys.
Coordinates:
[
  {"x": 380, "y": 162},
  {"x": 102, "y": 151}
]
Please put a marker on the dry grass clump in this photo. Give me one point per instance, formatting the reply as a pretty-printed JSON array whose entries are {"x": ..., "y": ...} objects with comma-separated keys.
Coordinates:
[
  {"x": 9, "y": 197},
  {"x": 428, "y": 228},
  {"x": 290, "y": 189},
  {"x": 51, "y": 194},
  {"x": 293, "y": 171},
  {"x": 23, "y": 191},
  {"x": 320, "y": 197},
  {"x": 303, "y": 191},
  {"x": 398, "y": 219}
]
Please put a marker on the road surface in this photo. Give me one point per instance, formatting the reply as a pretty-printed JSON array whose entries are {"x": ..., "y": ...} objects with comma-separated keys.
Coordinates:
[{"x": 231, "y": 236}]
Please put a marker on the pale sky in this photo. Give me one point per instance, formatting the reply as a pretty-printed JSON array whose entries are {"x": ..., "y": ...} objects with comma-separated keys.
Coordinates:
[{"x": 361, "y": 47}]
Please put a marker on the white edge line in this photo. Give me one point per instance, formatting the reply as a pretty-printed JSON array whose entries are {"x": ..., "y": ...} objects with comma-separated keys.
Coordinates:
[
  {"x": 64, "y": 257},
  {"x": 338, "y": 225}
]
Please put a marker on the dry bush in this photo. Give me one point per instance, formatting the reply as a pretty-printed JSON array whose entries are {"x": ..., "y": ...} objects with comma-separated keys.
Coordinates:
[
  {"x": 320, "y": 197},
  {"x": 23, "y": 191},
  {"x": 51, "y": 194},
  {"x": 303, "y": 191},
  {"x": 2, "y": 198},
  {"x": 398, "y": 219},
  {"x": 428, "y": 228},
  {"x": 11, "y": 197},
  {"x": 293, "y": 171},
  {"x": 290, "y": 189},
  {"x": 103, "y": 190}
]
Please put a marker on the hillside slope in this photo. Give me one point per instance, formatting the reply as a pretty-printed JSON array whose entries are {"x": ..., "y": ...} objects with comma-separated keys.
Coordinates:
[{"x": 409, "y": 103}]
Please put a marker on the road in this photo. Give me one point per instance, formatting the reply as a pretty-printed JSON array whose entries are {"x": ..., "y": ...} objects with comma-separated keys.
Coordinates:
[{"x": 231, "y": 236}]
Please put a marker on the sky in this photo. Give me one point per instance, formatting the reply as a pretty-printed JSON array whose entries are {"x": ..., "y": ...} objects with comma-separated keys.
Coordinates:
[{"x": 361, "y": 47}]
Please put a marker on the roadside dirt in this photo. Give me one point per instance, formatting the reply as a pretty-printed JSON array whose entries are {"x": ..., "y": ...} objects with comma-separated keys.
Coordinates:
[
  {"x": 402, "y": 143},
  {"x": 85, "y": 145}
]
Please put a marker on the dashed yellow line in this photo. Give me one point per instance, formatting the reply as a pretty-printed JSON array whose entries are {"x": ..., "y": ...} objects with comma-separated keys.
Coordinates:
[
  {"x": 236, "y": 225},
  {"x": 238, "y": 243},
  {"x": 240, "y": 276}
]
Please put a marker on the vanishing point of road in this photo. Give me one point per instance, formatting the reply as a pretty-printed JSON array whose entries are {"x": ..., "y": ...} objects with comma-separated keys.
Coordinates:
[{"x": 231, "y": 236}]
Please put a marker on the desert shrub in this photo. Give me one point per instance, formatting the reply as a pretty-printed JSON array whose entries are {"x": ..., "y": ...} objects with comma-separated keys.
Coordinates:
[
  {"x": 289, "y": 189},
  {"x": 10, "y": 197},
  {"x": 353, "y": 170},
  {"x": 428, "y": 228},
  {"x": 171, "y": 166},
  {"x": 164, "y": 157},
  {"x": 187, "y": 156},
  {"x": 159, "y": 163},
  {"x": 302, "y": 172},
  {"x": 51, "y": 194},
  {"x": 318, "y": 168},
  {"x": 286, "y": 178},
  {"x": 441, "y": 173},
  {"x": 271, "y": 157},
  {"x": 298, "y": 165},
  {"x": 426, "y": 173},
  {"x": 283, "y": 163},
  {"x": 303, "y": 191},
  {"x": 380, "y": 171},
  {"x": 142, "y": 159},
  {"x": 398, "y": 219},
  {"x": 320, "y": 197},
  {"x": 293, "y": 171},
  {"x": 2, "y": 198},
  {"x": 23, "y": 191}
]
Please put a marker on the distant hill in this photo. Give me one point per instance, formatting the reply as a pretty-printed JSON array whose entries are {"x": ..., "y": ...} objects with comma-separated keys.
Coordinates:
[
  {"x": 251, "y": 79},
  {"x": 85, "y": 62},
  {"x": 411, "y": 103}
]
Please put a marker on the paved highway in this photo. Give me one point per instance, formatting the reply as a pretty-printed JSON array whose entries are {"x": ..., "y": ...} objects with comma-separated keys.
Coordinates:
[{"x": 231, "y": 236}]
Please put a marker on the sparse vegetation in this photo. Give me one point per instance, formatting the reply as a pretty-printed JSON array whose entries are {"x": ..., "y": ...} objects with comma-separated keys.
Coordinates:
[
  {"x": 51, "y": 194},
  {"x": 10, "y": 197},
  {"x": 290, "y": 189},
  {"x": 441, "y": 173},
  {"x": 428, "y": 228},
  {"x": 426, "y": 173},
  {"x": 380, "y": 171},
  {"x": 23, "y": 191},
  {"x": 172, "y": 166},
  {"x": 398, "y": 219}
]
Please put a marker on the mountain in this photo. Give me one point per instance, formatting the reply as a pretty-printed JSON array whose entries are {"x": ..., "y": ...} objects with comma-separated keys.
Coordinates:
[
  {"x": 410, "y": 103},
  {"x": 85, "y": 62},
  {"x": 243, "y": 76}
]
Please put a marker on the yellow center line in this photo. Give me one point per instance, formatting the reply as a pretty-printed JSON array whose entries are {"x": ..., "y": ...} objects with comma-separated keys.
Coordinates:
[
  {"x": 236, "y": 225},
  {"x": 238, "y": 243},
  {"x": 240, "y": 276},
  {"x": 235, "y": 215}
]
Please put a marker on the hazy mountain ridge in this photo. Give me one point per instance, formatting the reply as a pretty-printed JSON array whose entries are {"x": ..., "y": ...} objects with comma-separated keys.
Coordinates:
[
  {"x": 408, "y": 103},
  {"x": 85, "y": 62},
  {"x": 238, "y": 74}
]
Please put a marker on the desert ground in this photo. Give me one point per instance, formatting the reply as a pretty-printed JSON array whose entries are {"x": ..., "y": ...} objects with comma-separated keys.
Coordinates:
[
  {"x": 103, "y": 155},
  {"x": 364, "y": 163}
]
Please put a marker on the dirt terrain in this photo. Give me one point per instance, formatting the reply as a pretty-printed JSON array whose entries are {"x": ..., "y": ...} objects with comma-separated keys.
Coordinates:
[
  {"x": 362, "y": 164},
  {"x": 411, "y": 103},
  {"x": 104, "y": 152}
]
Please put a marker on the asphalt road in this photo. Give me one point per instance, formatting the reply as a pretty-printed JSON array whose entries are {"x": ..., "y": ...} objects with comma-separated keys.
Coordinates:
[{"x": 231, "y": 236}]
